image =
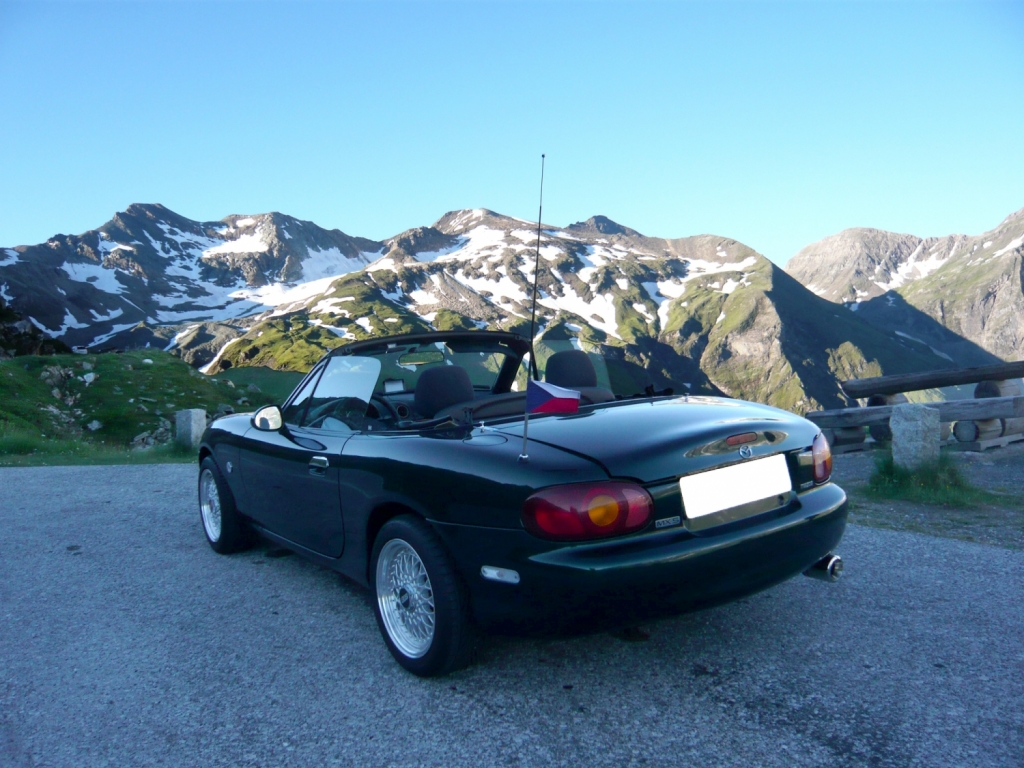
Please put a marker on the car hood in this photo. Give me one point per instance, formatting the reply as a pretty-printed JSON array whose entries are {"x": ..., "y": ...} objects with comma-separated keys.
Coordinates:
[{"x": 661, "y": 439}]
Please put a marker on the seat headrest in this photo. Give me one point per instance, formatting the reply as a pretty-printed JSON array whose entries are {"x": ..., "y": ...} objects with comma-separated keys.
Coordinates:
[
  {"x": 437, "y": 388},
  {"x": 571, "y": 368}
]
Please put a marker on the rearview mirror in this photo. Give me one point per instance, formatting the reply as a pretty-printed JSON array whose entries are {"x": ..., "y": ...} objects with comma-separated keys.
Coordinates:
[{"x": 268, "y": 419}]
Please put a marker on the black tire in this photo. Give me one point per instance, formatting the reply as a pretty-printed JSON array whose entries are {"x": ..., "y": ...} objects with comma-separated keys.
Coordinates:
[
  {"x": 234, "y": 533},
  {"x": 454, "y": 637}
]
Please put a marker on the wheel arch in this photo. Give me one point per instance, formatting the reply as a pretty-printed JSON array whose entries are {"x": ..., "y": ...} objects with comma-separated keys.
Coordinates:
[{"x": 378, "y": 517}]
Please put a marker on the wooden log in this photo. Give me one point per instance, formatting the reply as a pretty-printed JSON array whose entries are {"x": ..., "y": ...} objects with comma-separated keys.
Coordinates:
[
  {"x": 998, "y": 389},
  {"x": 981, "y": 445},
  {"x": 911, "y": 382},
  {"x": 971, "y": 431},
  {"x": 843, "y": 436},
  {"x": 951, "y": 410},
  {"x": 881, "y": 431},
  {"x": 1001, "y": 389},
  {"x": 849, "y": 436},
  {"x": 1012, "y": 427}
]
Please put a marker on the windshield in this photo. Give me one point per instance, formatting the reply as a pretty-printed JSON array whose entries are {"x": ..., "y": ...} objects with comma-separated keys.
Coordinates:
[
  {"x": 341, "y": 397},
  {"x": 401, "y": 367},
  {"x": 416, "y": 382}
]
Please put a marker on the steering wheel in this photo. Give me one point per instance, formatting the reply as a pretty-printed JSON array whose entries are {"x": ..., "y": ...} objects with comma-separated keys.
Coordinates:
[{"x": 382, "y": 406}]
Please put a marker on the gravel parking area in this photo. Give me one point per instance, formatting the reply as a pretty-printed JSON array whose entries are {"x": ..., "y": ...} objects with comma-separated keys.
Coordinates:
[
  {"x": 124, "y": 641},
  {"x": 997, "y": 470}
]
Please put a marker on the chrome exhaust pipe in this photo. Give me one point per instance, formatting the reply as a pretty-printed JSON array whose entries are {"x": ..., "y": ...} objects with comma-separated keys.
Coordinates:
[{"x": 829, "y": 568}]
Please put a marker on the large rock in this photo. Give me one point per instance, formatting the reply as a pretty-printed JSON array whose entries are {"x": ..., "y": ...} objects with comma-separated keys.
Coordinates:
[
  {"x": 190, "y": 426},
  {"x": 915, "y": 435}
]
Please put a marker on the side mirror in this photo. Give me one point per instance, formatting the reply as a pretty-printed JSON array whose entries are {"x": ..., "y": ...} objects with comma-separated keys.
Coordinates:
[{"x": 268, "y": 419}]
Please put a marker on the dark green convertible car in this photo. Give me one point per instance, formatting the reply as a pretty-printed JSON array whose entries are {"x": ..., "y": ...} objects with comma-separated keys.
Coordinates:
[{"x": 401, "y": 463}]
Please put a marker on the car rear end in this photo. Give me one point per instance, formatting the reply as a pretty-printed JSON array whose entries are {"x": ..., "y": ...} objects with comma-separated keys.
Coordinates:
[{"x": 750, "y": 506}]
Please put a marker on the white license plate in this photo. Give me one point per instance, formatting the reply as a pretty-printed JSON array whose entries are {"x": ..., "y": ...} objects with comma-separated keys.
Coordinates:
[{"x": 728, "y": 487}]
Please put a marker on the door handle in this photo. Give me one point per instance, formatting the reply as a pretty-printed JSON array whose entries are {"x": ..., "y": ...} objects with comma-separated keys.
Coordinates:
[{"x": 318, "y": 465}]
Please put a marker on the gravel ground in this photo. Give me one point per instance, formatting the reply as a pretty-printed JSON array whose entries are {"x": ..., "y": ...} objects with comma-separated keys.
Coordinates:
[
  {"x": 998, "y": 470},
  {"x": 124, "y": 640}
]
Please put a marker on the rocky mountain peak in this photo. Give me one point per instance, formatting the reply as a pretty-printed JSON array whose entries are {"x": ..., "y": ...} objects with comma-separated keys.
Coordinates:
[
  {"x": 420, "y": 240},
  {"x": 958, "y": 295},
  {"x": 601, "y": 225}
]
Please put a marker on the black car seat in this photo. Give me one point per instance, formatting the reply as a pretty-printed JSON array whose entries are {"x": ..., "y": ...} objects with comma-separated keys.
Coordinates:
[
  {"x": 440, "y": 387},
  {"x": 572, "y": 369}
]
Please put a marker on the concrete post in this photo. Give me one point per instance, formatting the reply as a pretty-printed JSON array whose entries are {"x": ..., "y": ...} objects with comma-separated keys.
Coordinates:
[
  {"x": 915, "y": 435},
  {"x": 190, "y": 426}
]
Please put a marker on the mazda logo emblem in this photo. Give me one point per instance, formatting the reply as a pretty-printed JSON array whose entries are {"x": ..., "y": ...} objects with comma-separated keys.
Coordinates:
[{"x": 745, "y": 452}]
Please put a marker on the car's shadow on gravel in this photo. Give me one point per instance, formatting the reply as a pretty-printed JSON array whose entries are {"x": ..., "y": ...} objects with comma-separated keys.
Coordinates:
[{"x": 667, "y": 643}]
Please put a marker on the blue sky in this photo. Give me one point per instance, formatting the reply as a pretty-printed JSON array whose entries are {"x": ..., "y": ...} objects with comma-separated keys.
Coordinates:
[{"x": 772, "y": 123}]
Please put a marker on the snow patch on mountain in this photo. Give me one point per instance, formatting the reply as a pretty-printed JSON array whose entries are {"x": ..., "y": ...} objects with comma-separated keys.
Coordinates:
[
  {"x": 381, "y": 264},
  {"x": 70, "y": 321},
  {"x": 333, "y": 329},
  {"x": 112, "y": 315},
  {"x": 641, "y": 309},
  {"x": 599, "y": 311},
  {"x": 328, "y": 262},
  {"x": 330, "y": 306},
  {"x": 1017, "y": 243},
  {"x": 11, "y": 258},
  {"x": 913, "y": 269},
  {"x": 188, "y": 240},
  {"x": 102, "y": 279},
  {"x": 249, "y": 243},
  {"x": 220, "y": 353},
  {"x": 502, "y": 291},
  {"x": 105, "y": 337}
]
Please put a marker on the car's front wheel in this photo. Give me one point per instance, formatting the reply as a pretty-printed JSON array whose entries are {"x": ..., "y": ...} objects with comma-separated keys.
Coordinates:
[
  {"x": 223, "y": 525},
  {"x": 422, "y": 608}
]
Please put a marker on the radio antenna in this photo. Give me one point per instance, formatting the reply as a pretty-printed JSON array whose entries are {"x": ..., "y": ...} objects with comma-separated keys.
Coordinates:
[
  {"x": 536, "y": 262},
  {"x": 524, "y": 456}
]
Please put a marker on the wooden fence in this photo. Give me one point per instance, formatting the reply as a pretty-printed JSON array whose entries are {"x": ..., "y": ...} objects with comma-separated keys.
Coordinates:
[{"x": 1001, "y": 417}]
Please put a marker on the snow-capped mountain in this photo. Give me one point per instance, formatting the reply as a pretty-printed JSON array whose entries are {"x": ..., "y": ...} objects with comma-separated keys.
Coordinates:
[
  {"x": 702, "y": 313},
  {"x": 960, "y": 295},
  {"x": 150, "y": 265}
]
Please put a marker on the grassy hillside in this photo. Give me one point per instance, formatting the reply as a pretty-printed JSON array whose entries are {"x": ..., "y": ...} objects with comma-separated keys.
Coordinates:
[
  {"x": 276, "y": 385},
  {"x": 77, "y": 403}
]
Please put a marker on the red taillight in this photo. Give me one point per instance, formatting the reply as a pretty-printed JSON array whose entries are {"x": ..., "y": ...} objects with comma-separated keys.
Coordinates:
[
  {"x": 822, "y": 456},
  {"x": 587, "y": 511},
  {"x": 746, "y": 437}
]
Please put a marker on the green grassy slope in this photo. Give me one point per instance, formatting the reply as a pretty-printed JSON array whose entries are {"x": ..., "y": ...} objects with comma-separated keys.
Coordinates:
[
  {"x": 276, "y": 385},
  {"x": 47, "y": 397}
]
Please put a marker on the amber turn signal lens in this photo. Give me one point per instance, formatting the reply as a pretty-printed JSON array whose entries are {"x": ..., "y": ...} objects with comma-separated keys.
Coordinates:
[
  {"x": 587, "y": 511},
  {"x": 603, "y": 510},
  {"x": 822, "y": 456}
]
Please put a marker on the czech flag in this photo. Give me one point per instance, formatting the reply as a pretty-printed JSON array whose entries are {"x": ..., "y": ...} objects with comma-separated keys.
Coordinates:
[{"x": 542, "y": 397}]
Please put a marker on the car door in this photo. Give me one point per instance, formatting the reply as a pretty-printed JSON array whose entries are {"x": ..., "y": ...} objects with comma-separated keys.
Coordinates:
[
  {"x": 291, "y": 478},
  {"x": 293, "y": 473}
]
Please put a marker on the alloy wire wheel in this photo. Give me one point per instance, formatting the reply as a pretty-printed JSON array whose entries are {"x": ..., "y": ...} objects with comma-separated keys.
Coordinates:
[
  {"x": 422, "y": 605},
  {"x": 209, "y": 505},
  {"x": 225, "y": 527},
  {"x": 406, "y": 598}
]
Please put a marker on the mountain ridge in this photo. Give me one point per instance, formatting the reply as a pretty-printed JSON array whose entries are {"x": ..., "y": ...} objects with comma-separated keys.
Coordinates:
[
  {"x": 959, "y": 294},
  {"x": 700, "y": 313}
]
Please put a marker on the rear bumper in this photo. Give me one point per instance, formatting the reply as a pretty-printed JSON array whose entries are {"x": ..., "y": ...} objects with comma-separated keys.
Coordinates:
[{"x": 621, "y": 582}]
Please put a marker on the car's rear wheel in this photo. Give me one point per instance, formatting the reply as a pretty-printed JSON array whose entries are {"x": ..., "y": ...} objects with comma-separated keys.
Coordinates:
[
  {"x": 225, "y": 528},
  {"x": 422, "y": 608}
]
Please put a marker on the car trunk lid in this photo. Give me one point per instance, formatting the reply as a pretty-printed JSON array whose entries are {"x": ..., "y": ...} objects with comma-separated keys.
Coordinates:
[{"x": 654, "y": 440}]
